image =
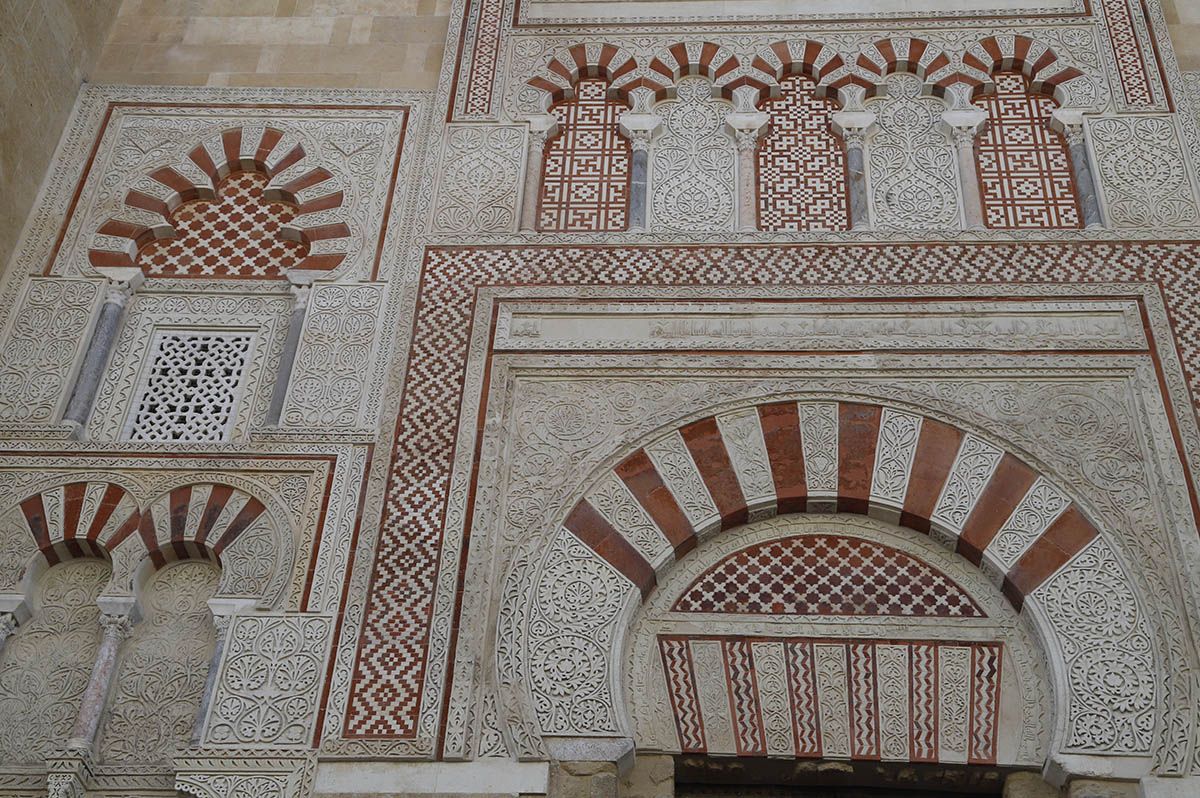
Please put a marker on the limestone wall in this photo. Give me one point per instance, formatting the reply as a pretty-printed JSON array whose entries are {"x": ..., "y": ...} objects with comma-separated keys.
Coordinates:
[
  {"x": 320, "y": 43},
  {"x": 46, "y": 49}
]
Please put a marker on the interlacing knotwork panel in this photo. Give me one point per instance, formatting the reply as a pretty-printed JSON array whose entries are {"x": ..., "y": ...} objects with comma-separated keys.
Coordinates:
[
  {"x": 162, "y": 669},
  {"x": 801, "y": 163},
  {"x": 1025, "y": 172},
  {"x": 586, "y": 167},
  {"x": 692, "y": 163},
  {"x": 45, "y": 665}
]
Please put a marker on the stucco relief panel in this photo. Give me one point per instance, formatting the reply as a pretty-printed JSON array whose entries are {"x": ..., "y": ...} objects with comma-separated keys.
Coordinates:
[{"x": 1144, "y": 178}]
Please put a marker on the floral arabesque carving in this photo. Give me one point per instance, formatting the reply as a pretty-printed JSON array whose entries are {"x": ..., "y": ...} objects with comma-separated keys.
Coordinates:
[
  {"x": 159, "y": 206},
  {"x": 1143, "y": 174}
]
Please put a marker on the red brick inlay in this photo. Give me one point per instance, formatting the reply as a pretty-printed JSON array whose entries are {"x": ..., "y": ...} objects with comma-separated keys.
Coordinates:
[
  {"x": 801, "y": 178},
  {"x": 1064, "y": 538},
  {"x": 826, "y": 575},
  {"x": 597, "y": 534},
  {"x": 937, "y": 446},
  {"x": 703, "y": 440},
  {"x": 858, "y": 432},
  {"x": 1024, "y": 169},
  {"x": 586, "y": 170},
  {"x": 1008, "y": 485},
  {"x": 238, "y": 235},
  {"x": 647, "y": 486},
  {"x": 781, "y": 432}
]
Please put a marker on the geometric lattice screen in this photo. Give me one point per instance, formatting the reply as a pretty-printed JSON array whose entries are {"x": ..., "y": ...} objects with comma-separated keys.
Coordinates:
[
  {"x": 192, "y": 386},
  {"x": 1024, "y": 168},
  {"x": 585, "y": 182},
  {"x": 801, "y": 163}
]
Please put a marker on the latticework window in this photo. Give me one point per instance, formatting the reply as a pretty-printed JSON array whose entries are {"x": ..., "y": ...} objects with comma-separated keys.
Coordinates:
[
  {"x": 802, "y": 163},
  {"x": 192, "y": 386},
  {"x": 235, "y": 235},
  {"x": 585, "y": 182},
  {"x": 1025, "y": 174}
]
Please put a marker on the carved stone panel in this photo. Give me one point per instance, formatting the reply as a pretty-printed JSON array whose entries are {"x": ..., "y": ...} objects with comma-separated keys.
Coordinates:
[
  {"x": 1143, "y": 175},
  {"x": 912, "y": 169},
  {"x": 692, "y": 163},
  {"x": 48, "y": 329},
  {"x": 480, "y": 188},
  {"x": 330, "y": 383},
  {"x": 270, "y": 680},
  {"x": 45, "y": 666}
]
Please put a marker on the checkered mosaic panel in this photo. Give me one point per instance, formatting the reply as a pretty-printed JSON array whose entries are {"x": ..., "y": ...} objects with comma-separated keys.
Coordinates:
[
  {"x": 1024, "y": 169},
  {"x": 237, "y": 235},
  {"x": 826, "y": 575},
  {"x": 585, "y": 181},
  {"x": 801, "y": 163},
  {"x": 920, "y": 701},
  {"x": 394, "y": 638}
]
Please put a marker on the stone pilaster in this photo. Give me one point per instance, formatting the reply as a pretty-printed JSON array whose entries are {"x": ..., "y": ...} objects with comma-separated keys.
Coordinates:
[
  {"x": 116, "y": 627},
  {"x": 652, "y": 776},
  {"x": 1070, "y": 124},
  {"x": 853, "y": 127},
  {"x": 541, "y": 129},
  {"x": 122, "y": 282},
  {"x": 639, "y": 126},
  {"x": 963, "y": 125},
  {"x": 223, "y": 611},
  {"x": 1028, "y": 785},
  {"x": 301, "y": 285},
  {"x": 588, "y": 767}
]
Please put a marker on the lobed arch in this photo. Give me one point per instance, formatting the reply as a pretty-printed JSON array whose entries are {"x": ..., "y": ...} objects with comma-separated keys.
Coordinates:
[
  {"x": 1004, "y": 517},
  {"x": 808, "y": 57},
  {"x": 904, "y": 54},
  {"x": 569, "y": 65},
  {"x": 1047, "y": 73},
  {"x": 219, "y": 522},
  {"x": 149, "y": 206}
]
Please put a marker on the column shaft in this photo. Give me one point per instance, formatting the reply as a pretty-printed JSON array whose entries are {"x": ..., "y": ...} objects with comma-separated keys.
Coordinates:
[
  {"x": 1085, "y": 183},
  {"x": 964, "y": 148},
  {"x": 95, "y": 695},
  {"x": 533, "y": 180},
  {"x": 638, "y": 184},
  {"x": 860, "y": 217},
  {"x": 104, "y": 334}
]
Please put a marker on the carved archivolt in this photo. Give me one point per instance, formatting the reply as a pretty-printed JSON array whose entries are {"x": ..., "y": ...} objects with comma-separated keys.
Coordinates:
[
  {"x": 1002, "y": 515},
  {"x": 151, "y": 203},
  {"x": 207, "y": 521}
]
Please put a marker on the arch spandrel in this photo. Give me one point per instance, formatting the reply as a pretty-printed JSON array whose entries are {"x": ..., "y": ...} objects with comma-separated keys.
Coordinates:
[{"x": 1013, "y": 526}]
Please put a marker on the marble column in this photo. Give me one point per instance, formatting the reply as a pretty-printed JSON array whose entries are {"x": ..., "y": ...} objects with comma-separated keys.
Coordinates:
[
  {"x": 1081, "y": 165},
  {"x": 748, "y": 124},
  {"x": 116, "y": 628},
  {"x": 639, "y": 126},
  {"x": 853, "y": 127},
  {"x": 301, "y": 285},
  {"x": 963, "y": 125},
  {"x": 122, "y": 282},
  {"x": 8, "y": 627},
  {"x": 541, "y": 129}
]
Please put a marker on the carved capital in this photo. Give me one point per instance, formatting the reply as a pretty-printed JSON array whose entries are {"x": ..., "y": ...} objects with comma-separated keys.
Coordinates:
[
  {"x": 116, "y": 627},
  {"x": 853, "y": 127},
  {"x": 541, "y": 129},
  {"x": 8, "y": 625},
  {"x": 639, "y": 127}
]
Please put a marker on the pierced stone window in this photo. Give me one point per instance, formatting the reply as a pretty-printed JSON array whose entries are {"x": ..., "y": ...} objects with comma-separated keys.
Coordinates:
[
  {"x": 1025, "y": 176},
  {"x": 801, "y": 163},
  {"x": 585, "y": 178},
  {"x": 191, "y": 390}
]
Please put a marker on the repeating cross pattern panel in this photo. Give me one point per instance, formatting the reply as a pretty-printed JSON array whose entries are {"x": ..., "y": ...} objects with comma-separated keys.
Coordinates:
[
  {"x": 901, "y": 701},
  {"x": 802, "y": 164},
  {"x": 826, "y": 575},
  {"x": 237, "y": 235},
  {"x": 1024, "y": 169},
  {"x": 585, "y": 183}
]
